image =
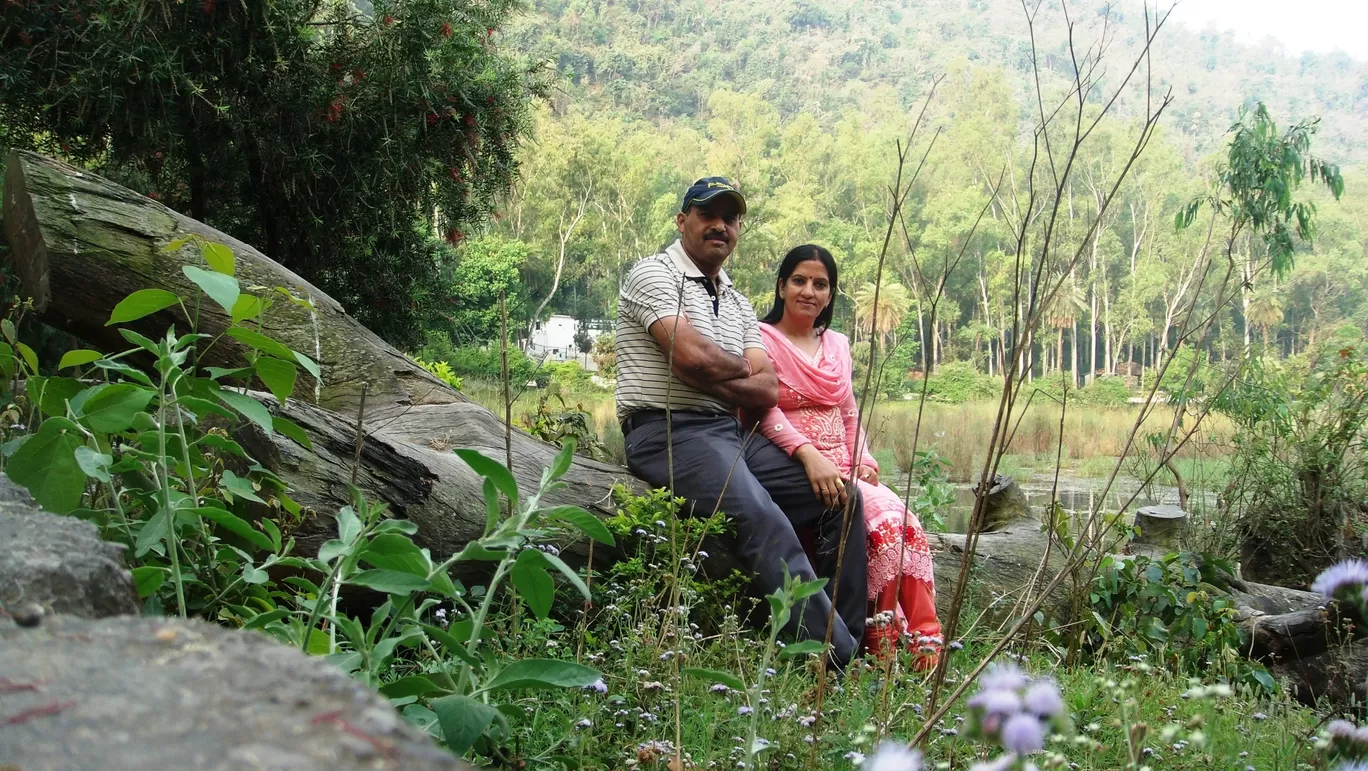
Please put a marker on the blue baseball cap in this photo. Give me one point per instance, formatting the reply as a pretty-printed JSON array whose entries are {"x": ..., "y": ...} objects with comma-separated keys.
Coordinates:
[{"x": 708, "y": 188}]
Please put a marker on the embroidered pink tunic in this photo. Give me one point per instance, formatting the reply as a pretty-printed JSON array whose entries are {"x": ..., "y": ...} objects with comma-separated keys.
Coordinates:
[{"x": 817, "y": 406}]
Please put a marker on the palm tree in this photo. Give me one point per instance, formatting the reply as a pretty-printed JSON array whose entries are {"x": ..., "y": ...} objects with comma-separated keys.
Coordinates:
[
  {"x": 892, "y": 307},
  {"x": 1062, "y": 313},
  {"x": 1265, "y": 311}
]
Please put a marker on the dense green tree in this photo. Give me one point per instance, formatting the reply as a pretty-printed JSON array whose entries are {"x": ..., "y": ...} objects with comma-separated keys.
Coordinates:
[{"x": 344, "y": 145}]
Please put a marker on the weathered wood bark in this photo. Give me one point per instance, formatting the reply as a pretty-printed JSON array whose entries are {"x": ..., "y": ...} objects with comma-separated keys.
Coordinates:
[{"x": 80, "y": 244}]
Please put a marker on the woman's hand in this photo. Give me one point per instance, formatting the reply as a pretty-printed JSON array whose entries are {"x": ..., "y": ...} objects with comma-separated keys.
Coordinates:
[
  {"x": 825, "y": 477},
  {"x": 867, "y": 474}
]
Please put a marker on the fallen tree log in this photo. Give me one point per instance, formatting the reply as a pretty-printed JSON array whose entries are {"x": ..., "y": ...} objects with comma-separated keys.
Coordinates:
[{"x": 80, "y": 244}]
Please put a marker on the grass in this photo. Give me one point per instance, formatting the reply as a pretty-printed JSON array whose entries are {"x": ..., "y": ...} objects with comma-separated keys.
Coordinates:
[{"x": 631, "y": 725}]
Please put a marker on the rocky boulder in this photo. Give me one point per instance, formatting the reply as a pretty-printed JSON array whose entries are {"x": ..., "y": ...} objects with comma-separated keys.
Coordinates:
[
  {"x": 140, "y": 693},
  {"x": 58, "y": 563}
]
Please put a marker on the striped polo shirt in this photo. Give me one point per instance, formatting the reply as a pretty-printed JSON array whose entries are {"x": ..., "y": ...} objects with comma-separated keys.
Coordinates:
[{"x": 660, "y": 287}]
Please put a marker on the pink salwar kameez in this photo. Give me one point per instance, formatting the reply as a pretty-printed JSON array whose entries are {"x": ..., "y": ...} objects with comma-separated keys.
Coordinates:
[{"x": 817, "y": 406}]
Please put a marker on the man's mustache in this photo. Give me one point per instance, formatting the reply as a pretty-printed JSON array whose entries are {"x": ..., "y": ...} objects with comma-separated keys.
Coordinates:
[{"x": 721, "y": 235}]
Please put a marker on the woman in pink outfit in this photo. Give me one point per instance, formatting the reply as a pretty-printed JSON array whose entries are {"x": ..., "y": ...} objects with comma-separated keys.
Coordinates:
[{"x": 817, "y": 421}]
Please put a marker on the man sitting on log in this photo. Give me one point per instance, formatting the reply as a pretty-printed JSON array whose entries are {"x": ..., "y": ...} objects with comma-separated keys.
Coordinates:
[{"x": 689, "y": 356}]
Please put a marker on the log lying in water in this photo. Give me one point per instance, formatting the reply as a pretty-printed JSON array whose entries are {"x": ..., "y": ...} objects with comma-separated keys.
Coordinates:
[{"x": 80, "y": 244}]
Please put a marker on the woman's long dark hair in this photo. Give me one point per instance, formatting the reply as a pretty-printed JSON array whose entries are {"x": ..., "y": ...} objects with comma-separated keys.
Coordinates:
[{"x": 796, "y": 255}]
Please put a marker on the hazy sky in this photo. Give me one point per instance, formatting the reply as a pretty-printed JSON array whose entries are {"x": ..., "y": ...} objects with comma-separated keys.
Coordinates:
[{"x": 1301, "y": 25}]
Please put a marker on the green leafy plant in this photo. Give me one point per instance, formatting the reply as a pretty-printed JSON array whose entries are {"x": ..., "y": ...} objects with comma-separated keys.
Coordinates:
[
  {"x": 1173, "y": 610},
  {"x": 442, "y": 371},
  {"x": 145, "y": 451},
  {"x": 454, "y": 693}
]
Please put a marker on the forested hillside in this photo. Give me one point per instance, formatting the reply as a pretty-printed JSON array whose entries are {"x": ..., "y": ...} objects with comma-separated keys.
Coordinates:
[{"x": 803, "y": 104}]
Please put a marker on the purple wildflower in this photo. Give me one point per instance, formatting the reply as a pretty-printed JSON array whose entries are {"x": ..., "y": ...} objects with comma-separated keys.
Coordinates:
[
  {"x": 895, "y": 757},
  {"x": 1350, "y": 574},
  {"x": 1002, "y": 763},
  {"x": 996, "y": 702},
  {"x": 1003, "y": 677},
  {"x": 1341, "y": 729},
  {"x": 598, "y": 686},
  {"x": 1023, "y": 734},
  {"x": 1042, "y": 699}
]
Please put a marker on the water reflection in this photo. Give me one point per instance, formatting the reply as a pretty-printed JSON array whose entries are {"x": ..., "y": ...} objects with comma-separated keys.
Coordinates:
[{"x": 1076, "y": 495}]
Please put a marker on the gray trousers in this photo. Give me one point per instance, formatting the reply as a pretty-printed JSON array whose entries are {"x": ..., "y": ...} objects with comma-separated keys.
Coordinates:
[{"x": 767, "y": 496}]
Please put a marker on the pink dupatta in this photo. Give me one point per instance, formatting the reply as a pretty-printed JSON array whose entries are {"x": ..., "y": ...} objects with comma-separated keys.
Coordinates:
[{"x": 829, "y": 386}]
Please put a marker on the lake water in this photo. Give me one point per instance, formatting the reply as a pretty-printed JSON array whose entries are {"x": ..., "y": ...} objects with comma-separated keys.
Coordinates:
[{"x": 1076, "y": 495}]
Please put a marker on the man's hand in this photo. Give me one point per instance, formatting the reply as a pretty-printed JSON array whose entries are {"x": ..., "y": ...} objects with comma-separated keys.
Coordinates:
[{"x": 744, "y": 382}]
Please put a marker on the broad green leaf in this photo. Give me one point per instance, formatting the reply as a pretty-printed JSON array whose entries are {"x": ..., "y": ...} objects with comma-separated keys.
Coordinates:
[
  {"x": 219, "y": 257},
  {"x": 564, "y": 458},
  {"x": 395, "y": 526},
  {"x": 177, "y": 244},
  {"x": 223, "y": 444},
  {"x": 570, "y": 575},
  {"x": 143, "y": 302},
  {"x": 715, "y": 676},
  {"x": 806, "y": 589},
  {"x": 308, "y": 364},
  {"x": 201, "y": 407},
  {"x": 79, "y": 357},
  {"x": 804, "y": 648},
  {"x": 331, "y": 550},
  {"x": 291, "y": 429},
  {"x": 533, "y": 582},
  {"x": 248, "y": 306},
  {"x": 94, "y": 464},
  {"x": 492, "y": 470},
  {"x": 392, "y": 551},
  {"x": 219, "y": 373},
  {"x": 109, "y": 409},
  {"x": 348, "y": 525},
  {"x": 236, "y": 525},
  {"x": 443, "y": 585},
  {"x": 152, "y": 533},
  {"x": 53, "y": 393},
  {"x": 389, "y": 581},
  {"x": 250, "y": 408},
  {"x": 491, "y": 498},
  {"x": 148, "y": 580},
  {"x": 254, "y": 339},
  {"x": 7, "y": 326},
  {"x": 30, "y": 358},
  {"x": 278, "y": 375},
  {"x": 222, "y": 289},
  {"x": 124, "y": 370},
  {"x": 251, "y": 574},
  {"x": 142, "y": 341},
  {"x": 463, "y": 720},
  {"x": 451, "y": 644},
  {"x": 239, "y": 487},
  {"x": 46, "y": 465},
  {"x": 477, "y": 551},
  {"x": 413, "y": 685},
  {"x": 272, "y": 530},
  {"x": 586, "y": 522},
  {"x": 530, "y": 674}
]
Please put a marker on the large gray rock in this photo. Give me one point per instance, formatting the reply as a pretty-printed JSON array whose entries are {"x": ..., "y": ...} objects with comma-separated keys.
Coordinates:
[
  {"x": 152, "y": 693},
  {"x": 58, "y": 562}
]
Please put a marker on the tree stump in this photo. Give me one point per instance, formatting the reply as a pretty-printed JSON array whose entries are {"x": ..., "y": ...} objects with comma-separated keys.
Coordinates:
[
  {"x": 1006, "y": 504},
  {"x": 1160, "y": 525}
]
